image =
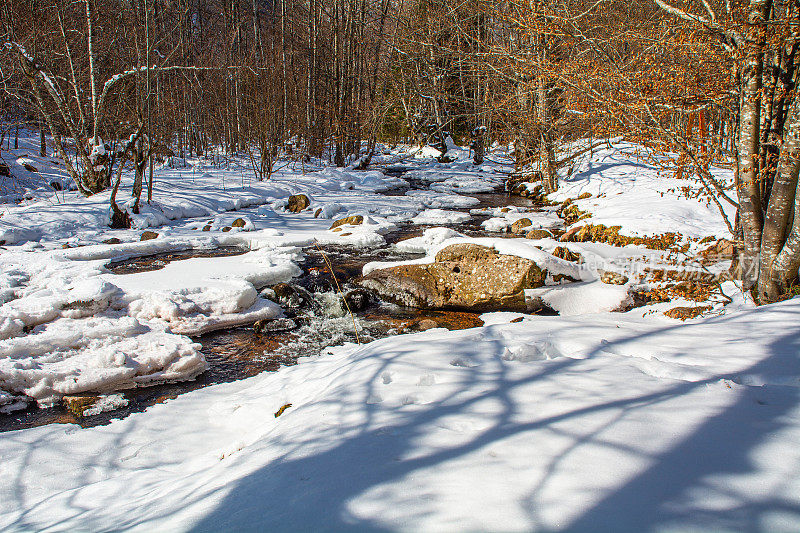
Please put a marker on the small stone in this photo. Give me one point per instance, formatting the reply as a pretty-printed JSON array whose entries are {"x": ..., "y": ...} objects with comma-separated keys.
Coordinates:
[
  {"x": 353, "y": 220},
  {"x": 685, "y": 313},
  {"x": 226, "y": 229},
  {"x": 612, "y": 278},
  {"x": 359, "y": 299},
  {"x": 584, "y": 196},
  {"x": 505, "y": 210},
  {"x": 336, "y": 230},
  {"x": 292, "y": 296},
  {"x": 538, "y": 234},
  {"x": 517, "y": 320},
  {"x": 206, "y": 228},
  {"x": 238, "y": 223},
  {"x": 149, "y": 235},
  {"x": 518, "y": 226},
  {"x": 66, "y": 246},
  {"x": 346, "y": 234},
  {"x": 112, "y": 240},
  {"x": 318, "y": 212},
  {"x": 425, "y": 324},
  {"x": 78, "y": 404},
  {"x": 277, "y": 325},
  {"x": 30, "y": 168},
  {"x": 297, "y": 202},
  {"x": 568, "y": 255}
]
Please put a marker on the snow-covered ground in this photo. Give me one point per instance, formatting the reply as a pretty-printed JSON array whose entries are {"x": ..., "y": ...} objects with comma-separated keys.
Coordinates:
[{"x": 589, "y": 421}]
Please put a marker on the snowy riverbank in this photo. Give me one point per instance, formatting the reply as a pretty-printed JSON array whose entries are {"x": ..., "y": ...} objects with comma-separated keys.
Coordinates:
[{"x": 589, "y": 421}]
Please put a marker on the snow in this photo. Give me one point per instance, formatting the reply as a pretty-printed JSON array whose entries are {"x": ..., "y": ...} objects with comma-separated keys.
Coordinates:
[
  {"x": 639, "y": 196},
  {"x": 440, "y": 216},
  {"x": 544, "y": 220},
  {"x": 591, "y": 420},
  {"x": 580, "y": 298},
  {"x": 435, "y": 200},
  {"x": 566, "y": 423}
]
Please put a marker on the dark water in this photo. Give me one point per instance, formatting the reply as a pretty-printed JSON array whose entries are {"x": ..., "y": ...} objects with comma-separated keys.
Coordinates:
[{"x": 238, "y": 353}]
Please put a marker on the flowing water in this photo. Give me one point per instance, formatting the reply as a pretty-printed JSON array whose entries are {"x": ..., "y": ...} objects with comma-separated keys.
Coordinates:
[{"x": 317, "y": 320}]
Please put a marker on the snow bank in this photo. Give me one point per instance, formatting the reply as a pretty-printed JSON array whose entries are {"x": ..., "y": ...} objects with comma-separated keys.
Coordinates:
[
  {"x": 568, "y": 423},
  {"x": 645, "y": 200},
  {"x": 581, "y": 298}
]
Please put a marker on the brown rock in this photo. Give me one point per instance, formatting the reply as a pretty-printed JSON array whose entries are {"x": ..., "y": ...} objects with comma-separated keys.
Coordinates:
[
  {"x": 612, "y": 278},
  {"x": 149, "y": 235},
  {"x": 226, "y": 228},
  {"x": 297, "y": 202},
  {"x": 112, "y": 240},
  {"x": 684, "y": 313},
  {"x": 463, "y": 276},
  {"x": 721, "y": 250},
  {"x": 78, "y": 404},
  {"x": 346, "y": 234},
  {"x": 206, "y": 228},
  {"x": 520, "y": 225},
  {"x": 238, "y": 223},
  {"x": 318, "y": 212},
  {"x": 584, "y": 196},
  {"x": 538, "y": 234},
  {"x": 567, "y": 255},
  {"x": 353, "y": 220},
  {"x": 424, "y": 324},
  {"x": 30, "y": 168}
]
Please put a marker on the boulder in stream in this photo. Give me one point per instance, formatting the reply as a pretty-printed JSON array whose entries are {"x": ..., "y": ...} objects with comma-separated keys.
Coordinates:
[{"x": 463, "y": 276}]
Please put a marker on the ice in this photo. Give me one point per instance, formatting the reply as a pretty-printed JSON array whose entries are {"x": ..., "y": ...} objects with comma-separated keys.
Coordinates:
[{"x": 436, "y": 200}]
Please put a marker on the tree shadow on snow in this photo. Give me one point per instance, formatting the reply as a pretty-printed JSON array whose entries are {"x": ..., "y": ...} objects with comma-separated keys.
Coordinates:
[{"x": 314, "y": 492}]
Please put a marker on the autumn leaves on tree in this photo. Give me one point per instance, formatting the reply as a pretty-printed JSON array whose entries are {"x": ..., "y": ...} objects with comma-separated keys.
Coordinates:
[{"x": 701, "y": 83}]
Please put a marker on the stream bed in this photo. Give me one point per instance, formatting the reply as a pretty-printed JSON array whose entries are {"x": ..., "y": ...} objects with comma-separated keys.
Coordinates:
[{"x": 316, "y": 319}]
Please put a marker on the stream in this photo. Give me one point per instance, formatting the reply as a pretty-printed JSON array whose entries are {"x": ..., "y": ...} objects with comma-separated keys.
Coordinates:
[{"x": 316, "y": 318}]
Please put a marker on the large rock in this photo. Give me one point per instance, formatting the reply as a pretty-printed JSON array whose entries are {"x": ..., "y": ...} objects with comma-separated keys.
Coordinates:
[{"x": 463, "y": 276}]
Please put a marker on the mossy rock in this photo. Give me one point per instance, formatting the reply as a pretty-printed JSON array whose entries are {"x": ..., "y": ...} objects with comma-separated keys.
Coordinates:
[
  {"x": 149, "y": 235},
  {"x": 353, "y": 220},
  {"x": 520, "y": 225},
  {"x": 685, "y": 313},
  {"x": 538, "y": 234},
  {"x": 567, "y": 255},
  {"x": 297, "y": 203}
]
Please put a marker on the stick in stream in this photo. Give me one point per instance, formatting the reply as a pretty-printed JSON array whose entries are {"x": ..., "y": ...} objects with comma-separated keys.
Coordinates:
[{"x": 339, "y": 290}]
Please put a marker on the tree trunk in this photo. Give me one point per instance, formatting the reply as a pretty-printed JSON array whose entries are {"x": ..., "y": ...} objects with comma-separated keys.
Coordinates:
[{"x": 749, "y": 192}]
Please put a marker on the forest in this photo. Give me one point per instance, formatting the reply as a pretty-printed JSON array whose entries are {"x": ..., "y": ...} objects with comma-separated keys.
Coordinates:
[{"x": 709, "y": 81}]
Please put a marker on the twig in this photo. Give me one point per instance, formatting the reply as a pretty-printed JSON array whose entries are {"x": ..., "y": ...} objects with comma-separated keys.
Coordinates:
[{"x": 339, "y": 290}]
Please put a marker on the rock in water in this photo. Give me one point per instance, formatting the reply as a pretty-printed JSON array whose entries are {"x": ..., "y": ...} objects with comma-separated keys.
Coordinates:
[
  {"x": 149, "y": 235},
  {"x": 463, "y": 276},
  {"x": 297, "y": 203},
  {"x": 293, "y": 296},
  {"x": 276, "y": 325},
  {"x": 357, "y": 300}
]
